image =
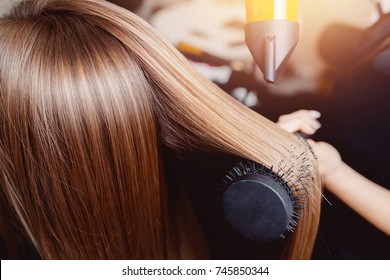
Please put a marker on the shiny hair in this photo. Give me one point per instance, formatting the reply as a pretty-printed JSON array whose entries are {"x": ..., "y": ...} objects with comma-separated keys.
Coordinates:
[{"x": 90, "y": 94}]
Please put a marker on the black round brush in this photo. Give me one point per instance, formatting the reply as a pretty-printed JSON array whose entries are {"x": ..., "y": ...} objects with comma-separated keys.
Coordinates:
[{"x": 258, "y": 204}]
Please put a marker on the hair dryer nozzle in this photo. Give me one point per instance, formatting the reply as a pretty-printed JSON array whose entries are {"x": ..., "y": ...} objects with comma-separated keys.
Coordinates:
[{"x": 271, "y": 43}]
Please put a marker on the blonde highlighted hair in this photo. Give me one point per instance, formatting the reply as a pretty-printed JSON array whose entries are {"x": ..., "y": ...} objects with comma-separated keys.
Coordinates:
[{"x": 89, "y": 94}]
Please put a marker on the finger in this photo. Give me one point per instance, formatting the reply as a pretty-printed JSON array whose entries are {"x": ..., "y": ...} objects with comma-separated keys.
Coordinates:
[
  {"x": 315, "y": 114},
  {"x": 294, "y": 125},
  {"x": 303, "y": 124},
  {"x": 312, "y": 122},
  {"x": 306, "y": 127},
  {"x": 311, "y": 114}
]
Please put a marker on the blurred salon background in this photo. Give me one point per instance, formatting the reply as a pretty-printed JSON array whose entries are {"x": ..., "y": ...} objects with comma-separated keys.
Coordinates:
[{"x": 341, "y": 67}]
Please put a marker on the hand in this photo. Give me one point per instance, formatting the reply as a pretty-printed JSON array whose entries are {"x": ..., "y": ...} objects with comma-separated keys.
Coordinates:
[
  {"x": 302, "y": 120},
  {"x": 328, "y": 158}
]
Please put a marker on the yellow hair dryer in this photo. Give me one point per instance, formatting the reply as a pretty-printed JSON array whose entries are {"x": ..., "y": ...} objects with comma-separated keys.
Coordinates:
[{"x": 271, "y": 34}]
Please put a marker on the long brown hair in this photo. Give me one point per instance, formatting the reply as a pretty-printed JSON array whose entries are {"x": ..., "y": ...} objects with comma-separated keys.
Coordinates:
[{"x": 89, "y": 92}]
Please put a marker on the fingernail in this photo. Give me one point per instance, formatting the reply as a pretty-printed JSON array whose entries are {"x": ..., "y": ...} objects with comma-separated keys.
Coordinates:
[{"x": 315, "y": 114}]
